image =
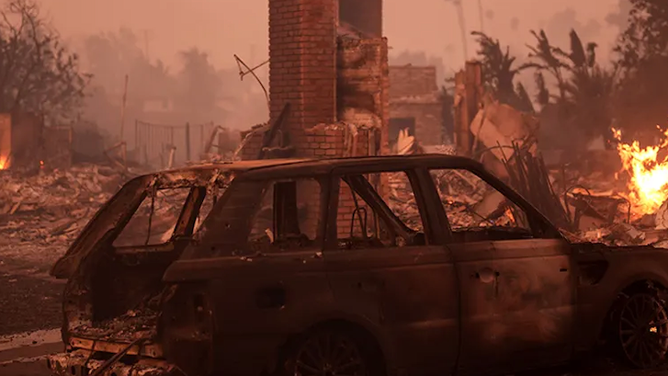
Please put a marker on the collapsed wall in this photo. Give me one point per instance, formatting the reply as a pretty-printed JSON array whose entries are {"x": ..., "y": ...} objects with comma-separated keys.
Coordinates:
[{"x": 362, "y": 84}]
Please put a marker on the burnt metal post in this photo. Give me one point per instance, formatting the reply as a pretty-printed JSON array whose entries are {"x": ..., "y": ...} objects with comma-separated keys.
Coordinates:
[
  {"x": 137, "y": 139},
  {"x": 201, "y": 134},
  {"x": 187, "y": 141},
  {"x": 123, "y": 144}
]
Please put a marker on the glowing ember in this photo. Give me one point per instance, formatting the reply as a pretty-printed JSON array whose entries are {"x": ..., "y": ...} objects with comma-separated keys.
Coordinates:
[
  {"x": 4, "y": 162},
  {"x": 509, "y": 214},
  {"x": 648, "y": 187}
]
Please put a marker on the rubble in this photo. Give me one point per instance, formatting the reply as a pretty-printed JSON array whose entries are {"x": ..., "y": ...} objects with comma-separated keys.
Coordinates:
[
  {"x": 133, "y": 324},
  {"x": 586, "y": 207},
  {"x": 440, "y": 149},
  {"x": 42, "y": 212},
  {"x": 661, "y": 217},
  {"x": 463, "y": 193}
]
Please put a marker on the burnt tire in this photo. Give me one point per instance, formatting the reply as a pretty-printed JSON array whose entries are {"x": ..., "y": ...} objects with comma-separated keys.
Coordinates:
[
  {"x": 333, "y": 351},
  {"x": 640, "y": 329}
]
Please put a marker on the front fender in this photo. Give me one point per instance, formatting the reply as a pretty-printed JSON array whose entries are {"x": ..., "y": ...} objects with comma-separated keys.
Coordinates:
[{"x": 616, "y": 281}]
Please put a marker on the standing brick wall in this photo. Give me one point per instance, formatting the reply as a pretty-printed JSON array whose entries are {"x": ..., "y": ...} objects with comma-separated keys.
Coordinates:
[
  {"x": 250, "y": 146},
  {"x": 410, "y": 80},
  {"x": 428, "y": 114},
  {"x": 413, "y": 93},
  {"x": 336, "y": 141}
]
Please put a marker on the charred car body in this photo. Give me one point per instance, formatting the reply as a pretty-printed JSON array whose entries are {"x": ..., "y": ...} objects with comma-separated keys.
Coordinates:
[{"x": 268, "y": 269}]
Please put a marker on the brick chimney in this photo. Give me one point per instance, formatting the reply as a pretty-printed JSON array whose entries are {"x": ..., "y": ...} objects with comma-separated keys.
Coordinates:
[{"x": 302, "y": 67}]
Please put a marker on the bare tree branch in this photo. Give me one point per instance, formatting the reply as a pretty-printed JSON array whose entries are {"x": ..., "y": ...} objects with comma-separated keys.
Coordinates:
[{"x": 38, "y": 74}]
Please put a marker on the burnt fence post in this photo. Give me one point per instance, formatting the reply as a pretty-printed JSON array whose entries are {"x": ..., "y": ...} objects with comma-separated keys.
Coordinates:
[{"x": 187, "y": 141}]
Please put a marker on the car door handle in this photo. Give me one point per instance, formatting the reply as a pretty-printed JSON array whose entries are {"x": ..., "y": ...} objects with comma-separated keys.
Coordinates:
[{"x": 486, "y": 275}]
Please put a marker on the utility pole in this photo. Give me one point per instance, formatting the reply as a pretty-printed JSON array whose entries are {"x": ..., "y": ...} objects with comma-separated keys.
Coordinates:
[
  {"x": 123, "y": 144},
  {"x": 146, "y": 44},
  {"x": 480, "y": 14},
  {"x": 462, "y": 25}
]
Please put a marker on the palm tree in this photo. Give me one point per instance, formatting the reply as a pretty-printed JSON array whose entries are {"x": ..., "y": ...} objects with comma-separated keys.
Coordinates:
[
  {"x": 499, "y": 71},
  {"x": 590, "y": 92},
  {"x": 580, "y": 60},
  {"x": 546, "y": 58},
  {"x": 585, "y": 88}
]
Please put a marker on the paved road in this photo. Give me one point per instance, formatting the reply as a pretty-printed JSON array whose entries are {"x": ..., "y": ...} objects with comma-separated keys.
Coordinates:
[
  {"x": 29, "y": 318},
  {"x": 36, "y": 368},
  {"x": 24, "y": 354}
]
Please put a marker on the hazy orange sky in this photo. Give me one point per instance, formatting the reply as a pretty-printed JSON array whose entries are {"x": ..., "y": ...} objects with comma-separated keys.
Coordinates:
[{"x": 225, "y": 27}]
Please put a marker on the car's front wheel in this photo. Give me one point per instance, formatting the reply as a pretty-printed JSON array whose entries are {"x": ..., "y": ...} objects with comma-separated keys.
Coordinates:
[
  {"x": 641, "y": 326},
  {"x": 333, "y": 351}
]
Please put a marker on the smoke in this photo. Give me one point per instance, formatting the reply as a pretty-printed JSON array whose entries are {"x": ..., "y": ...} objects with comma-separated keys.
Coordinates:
[{"x": 164, "y": 28}]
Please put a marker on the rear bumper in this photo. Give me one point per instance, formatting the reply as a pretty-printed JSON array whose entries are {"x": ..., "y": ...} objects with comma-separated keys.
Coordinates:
[{"x": 76, "y": 363}]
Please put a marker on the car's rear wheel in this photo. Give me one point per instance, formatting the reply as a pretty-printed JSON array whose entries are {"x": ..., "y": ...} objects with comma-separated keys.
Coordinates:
[
  {"x": 331, "y": 352},
  {"x": 642, "y": 329}
]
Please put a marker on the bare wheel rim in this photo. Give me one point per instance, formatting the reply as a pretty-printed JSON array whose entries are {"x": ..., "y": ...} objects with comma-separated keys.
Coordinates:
[
  {"x": 329, "y": 354},
  {"x": 643, "y": 330}
]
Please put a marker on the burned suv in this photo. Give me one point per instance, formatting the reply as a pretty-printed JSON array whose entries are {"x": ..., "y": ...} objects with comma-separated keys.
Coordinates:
[{"x": 354, "y": 266}]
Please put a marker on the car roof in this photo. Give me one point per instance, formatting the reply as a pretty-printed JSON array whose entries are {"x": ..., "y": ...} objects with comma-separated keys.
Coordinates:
[{"x": 314, "y": 166}]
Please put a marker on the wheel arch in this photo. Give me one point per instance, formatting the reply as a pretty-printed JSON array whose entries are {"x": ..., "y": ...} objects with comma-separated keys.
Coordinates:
[
  {"x": 359, "y": 324},
  {"x": 636, "y": 283}
]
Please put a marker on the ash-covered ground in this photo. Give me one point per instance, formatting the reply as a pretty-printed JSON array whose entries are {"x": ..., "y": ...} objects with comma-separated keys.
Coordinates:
[{"x": 40, "y": 215}]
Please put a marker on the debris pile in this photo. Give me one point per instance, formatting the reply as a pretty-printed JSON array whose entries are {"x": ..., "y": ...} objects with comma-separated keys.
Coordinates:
[
  {"x": 629, "y": 207},
  {"x": 40, "y": 214},
  {"x": 133, "y": 324},
  {"x": 590, "y": 208},
  {"x": 465, "y": 198},
  {"x": 601, "y": 212},
  {"x": 402, "y": 201},
  {"x": 529, "y": 176}
]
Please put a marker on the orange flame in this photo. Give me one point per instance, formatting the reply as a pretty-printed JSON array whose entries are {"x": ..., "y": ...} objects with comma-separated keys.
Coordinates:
[
  {"x": 4, "y": 162},
  {"x": 509, "y": 214},
  {"x": 648, "y": 187}
]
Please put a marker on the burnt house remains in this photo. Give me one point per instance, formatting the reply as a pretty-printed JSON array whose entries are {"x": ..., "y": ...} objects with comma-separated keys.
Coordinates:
[{"x": 414, "y": 104}]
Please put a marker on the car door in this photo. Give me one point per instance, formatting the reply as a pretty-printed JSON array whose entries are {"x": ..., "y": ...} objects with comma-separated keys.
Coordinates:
[
  {"x": 517, "y": 291},
  {"x": 407, "y": 290},
  {"x": 517, "y": 303}
]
